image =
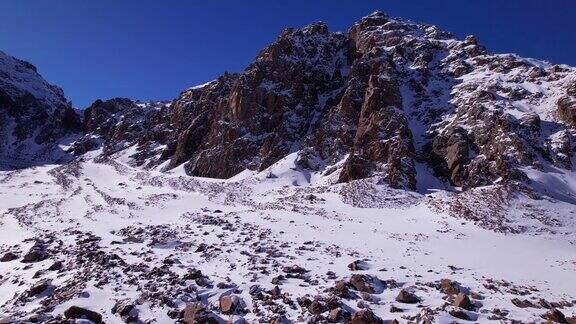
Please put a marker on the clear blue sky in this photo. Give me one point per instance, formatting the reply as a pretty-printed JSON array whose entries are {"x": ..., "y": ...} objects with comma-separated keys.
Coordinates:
[{"x": 153, "y": 49}]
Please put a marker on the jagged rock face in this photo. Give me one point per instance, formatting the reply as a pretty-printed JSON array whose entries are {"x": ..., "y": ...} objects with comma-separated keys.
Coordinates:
[
  {"x": 386, "y": 99},
  {"x": 34, "y": 115},
  {"x": 567, "y": 105},
  {"x": 120, "y": 123},
  {"x": 253, "y": 119}
]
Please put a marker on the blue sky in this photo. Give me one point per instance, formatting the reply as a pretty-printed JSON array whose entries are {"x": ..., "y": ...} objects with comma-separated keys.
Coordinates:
[{"x": 151, "y": 49}]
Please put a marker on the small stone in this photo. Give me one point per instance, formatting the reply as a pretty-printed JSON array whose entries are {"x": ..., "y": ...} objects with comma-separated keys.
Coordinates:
[
  {"x": 277, "y": 280},
  {"x": 193, "y": 274},
  {"x": 203, "y": 282},
  {"x": 294, "y": 269},
  {"x": 201, "y": 248},
  {"x": 341, "y": 289},
  {"x": 362, "y": 283},
  {"x": 304, "y": 302},
  {"x": 316, "y": 308},
  {"x": 522, "y": 303},
  {"x": 358, "y": 265},
  {"x": 275, "y": 292},
  {"x": 254, "y": 290},
  {"x": 36, "y": 254},
  {"x": 449, "y": 287}
]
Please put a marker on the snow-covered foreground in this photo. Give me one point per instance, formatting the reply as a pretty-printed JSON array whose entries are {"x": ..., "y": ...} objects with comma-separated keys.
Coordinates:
[{"x": 157, "y": 242}]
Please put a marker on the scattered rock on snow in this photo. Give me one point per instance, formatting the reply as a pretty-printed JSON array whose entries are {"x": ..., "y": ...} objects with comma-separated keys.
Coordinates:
[
  {"x": 75, "y": 312},
  {"x": 407, "y": 297},
  {"x": 525, "y": 303},
  {"x": 449, "y": 287},
  {"x": 39, "y": 287},
  {"x": 35, "y": 254},
  {"x": 366, "y": 283},
  {"x": 230, "y": 304},
  {"x": 554, "y": 315},
  {"x": 463, "y": 301},
  {"x": 459, "y": 314},
  {"x": 9, "y": 256},
  {"x": 365, "y": 316},
  {"x": 358, "y": 265}
]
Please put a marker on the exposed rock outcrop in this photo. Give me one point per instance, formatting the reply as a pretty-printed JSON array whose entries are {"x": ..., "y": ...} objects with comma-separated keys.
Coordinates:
[{"x": 376, "y": 101}]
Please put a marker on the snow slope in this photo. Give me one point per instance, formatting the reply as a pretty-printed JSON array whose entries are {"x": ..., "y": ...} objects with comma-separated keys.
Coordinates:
[{"x": 127, "y": 234}]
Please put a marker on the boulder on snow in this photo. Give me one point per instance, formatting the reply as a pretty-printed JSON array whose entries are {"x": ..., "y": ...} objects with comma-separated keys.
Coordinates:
[
  {"x": 463, "y": 301},
  {"x": 75, "y": 312},
  {"x": 407, "y": 297},
  {"x": 39, "y": 287},
  {"x": 8, "y": 256},
  {"x": 365, "y": 316},
  {"x": 449, "y": 287},
  {"x": 230, "y": 304},
  {"x": 366, "y": 283},
  {"x": 358, "y": 265},
  {"x": 36, "y": 253}
]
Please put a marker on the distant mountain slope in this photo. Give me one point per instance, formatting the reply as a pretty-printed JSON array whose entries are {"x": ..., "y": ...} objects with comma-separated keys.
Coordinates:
[{"x": 34, "y": 116}]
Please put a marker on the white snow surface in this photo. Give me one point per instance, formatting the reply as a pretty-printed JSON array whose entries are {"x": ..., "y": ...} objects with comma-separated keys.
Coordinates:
[{"x": 303, "y": 218}]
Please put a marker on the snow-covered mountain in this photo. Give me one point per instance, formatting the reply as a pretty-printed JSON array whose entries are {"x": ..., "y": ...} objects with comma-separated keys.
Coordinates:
[
  {"x": 389, "y": 99},
  {"x": 35, "y": 117},
  {"x": 390, "y": 172}
]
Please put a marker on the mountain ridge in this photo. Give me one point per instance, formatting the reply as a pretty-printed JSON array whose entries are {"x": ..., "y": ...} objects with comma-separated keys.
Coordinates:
[
  {"x": 415, "y": 63},
  {"x": 385, "y": 99}
]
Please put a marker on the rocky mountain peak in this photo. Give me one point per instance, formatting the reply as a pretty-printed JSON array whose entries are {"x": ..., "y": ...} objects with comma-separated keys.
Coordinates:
[
  {"x": 385, "y": 99},
  {"x": 390, "y": 99}
]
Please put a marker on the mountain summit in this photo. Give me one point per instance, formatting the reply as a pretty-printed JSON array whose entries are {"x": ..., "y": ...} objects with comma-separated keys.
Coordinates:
[{"x": 388, "y": 99}]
